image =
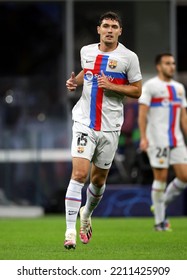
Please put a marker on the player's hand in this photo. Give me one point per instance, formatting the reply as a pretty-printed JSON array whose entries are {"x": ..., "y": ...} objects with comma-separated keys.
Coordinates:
[
  {"x": 103, "y": 81},
  {"x": 144, "y": 144},
  {"x": 71, "y": 83}
]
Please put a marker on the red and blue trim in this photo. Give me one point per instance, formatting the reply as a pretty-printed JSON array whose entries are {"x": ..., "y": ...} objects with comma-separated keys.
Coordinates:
[
  {"x": 97, "y": 93},
  {"x": 73, "y": 199},
  {"x": 174, "y": 104},
  {"x": 95, "y": 195}
]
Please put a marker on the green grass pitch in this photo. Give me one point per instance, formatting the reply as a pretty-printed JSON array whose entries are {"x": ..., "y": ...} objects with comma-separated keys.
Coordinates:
[{"x": 113, "y": 239}]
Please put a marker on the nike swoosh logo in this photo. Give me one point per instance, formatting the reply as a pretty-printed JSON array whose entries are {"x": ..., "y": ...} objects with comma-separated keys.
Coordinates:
[
  {"x": 107, "y": 164},
  {"x": 72, "y": 212},
  {"x": 89, "y": 61}
]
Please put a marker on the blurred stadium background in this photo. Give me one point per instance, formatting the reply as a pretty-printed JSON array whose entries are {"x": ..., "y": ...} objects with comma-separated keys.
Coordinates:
[{"x": 40, "y": 44}]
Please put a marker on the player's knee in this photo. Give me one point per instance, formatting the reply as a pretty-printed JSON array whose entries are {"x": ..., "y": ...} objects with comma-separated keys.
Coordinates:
[
  {"x": 183, "y": 178},
  {"x": 80, "y": 176},
  {"x": 98, "y": 181}
]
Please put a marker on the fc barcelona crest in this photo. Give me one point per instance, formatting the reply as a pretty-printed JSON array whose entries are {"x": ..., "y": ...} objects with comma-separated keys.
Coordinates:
[{"x": 112, "y": 64}]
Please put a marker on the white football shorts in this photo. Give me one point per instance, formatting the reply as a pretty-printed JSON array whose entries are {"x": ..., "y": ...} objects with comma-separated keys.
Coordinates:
[
  {"x": 96, "y": 146},
  {"x": 162, "y": 157}
]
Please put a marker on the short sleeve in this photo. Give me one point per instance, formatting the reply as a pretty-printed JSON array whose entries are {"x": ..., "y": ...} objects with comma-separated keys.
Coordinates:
[
  {"x": 134, "y": 72},
  {"x": 81, "y": 57},
  {"x": 145, "y": 97},
  {"x": 184, "y": 101}
]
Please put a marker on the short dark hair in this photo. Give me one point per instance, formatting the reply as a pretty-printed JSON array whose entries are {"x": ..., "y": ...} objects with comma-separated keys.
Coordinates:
[
  {"x": 110, "y": 15},
  {"x": 159, "y": 57}
]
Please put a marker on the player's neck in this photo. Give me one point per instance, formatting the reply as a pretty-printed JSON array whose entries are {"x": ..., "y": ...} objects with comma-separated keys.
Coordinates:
[
  {"x": 107, "y": 47},
  {"x": 164, "y": 78}
]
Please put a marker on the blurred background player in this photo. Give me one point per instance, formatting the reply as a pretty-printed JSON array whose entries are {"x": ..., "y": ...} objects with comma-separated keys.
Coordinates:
[
  {"x": 110, "y": 72},
  {"x": 162, "y": 122}
]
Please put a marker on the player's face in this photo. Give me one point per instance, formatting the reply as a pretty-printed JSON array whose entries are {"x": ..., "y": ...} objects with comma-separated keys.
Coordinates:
[
  {"x": 109, "y": 31},
  {"x": 167, "y": 67}
]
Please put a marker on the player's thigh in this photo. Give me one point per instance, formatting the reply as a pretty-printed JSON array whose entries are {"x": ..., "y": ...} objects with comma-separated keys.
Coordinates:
[
  {"x": 181, "y": 171},
  {"x": 106, "y": 149},
  {"x": 178, "y": 159}
]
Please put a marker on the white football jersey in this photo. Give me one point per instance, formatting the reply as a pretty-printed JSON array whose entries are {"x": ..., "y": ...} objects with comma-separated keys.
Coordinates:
[
  {"x": 165, "y": 100},
  {"x": 103, "y": 109}
]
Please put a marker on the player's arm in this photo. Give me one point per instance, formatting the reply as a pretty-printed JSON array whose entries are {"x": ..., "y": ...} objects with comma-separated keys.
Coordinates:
[
  {"x": 74, "y": 81},
  {"x": 142, "y": 122},
  {"x": 183, "y": 120},
  {"x": 132, "y": 90}
]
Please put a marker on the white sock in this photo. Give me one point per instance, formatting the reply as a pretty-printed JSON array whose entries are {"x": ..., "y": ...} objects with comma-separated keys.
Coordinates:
[
  {"x": 157, "y": 195},
  {"x": 94, "y": 196},
  {"x": 73, "y": 203},
  {"x": 173, "y": 190}
]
